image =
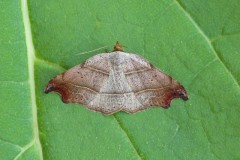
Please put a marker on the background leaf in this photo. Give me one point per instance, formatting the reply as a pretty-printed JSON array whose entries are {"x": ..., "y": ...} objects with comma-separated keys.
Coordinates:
[{"x": 196, "y": 42}]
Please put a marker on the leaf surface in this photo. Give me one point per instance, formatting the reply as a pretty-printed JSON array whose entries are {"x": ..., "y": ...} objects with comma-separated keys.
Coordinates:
[{"x": 196, "y": 42}]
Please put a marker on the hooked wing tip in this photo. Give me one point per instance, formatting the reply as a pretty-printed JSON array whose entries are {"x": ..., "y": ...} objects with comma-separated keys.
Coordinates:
[
  {"x": 183, "y": 95},
  {"x": 180, "y": 92},
  {"x": 49, "y": 88}
]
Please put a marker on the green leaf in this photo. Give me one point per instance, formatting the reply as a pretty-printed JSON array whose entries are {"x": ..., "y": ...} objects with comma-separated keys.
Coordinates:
[{"x": 196, "y": 42}]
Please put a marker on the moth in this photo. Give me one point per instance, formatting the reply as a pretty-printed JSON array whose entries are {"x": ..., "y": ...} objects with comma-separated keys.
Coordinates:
[{"x": 116, "y": 81}]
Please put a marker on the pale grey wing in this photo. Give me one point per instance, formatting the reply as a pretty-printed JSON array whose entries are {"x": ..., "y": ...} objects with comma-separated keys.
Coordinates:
[
  {"x": 151, "y": 86},
  {"x": 82, "y": 83},
  {"x": 116, "y": 92}
]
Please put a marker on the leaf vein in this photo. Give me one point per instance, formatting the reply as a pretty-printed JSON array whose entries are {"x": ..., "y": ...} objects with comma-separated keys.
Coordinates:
[
  {"x": 31, "y": 60},
  {"x": 208, "y": 41},
  {"x": 24, "y": 149},
  {"x": 139, "y": 154}
]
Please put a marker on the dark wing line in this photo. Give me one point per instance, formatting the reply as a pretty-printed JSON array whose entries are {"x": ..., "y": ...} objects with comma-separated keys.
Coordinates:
[
  {"x": 137, "y": 71},
  {"x": 152, "y": 89},
  {"x": 83, "y": 87},
  {"x": 97, "y": 70}
]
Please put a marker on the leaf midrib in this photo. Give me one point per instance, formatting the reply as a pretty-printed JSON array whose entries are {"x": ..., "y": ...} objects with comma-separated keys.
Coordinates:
[{"x": 31, "y": 58}]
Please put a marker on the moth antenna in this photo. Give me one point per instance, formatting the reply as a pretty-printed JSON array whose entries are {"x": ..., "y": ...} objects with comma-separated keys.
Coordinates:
[{"x": 92, "y": 50}]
